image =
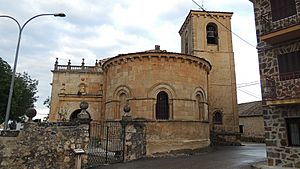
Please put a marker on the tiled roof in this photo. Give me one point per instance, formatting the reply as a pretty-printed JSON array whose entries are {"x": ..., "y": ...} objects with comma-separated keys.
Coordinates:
[{"x": 250, "y": 109}]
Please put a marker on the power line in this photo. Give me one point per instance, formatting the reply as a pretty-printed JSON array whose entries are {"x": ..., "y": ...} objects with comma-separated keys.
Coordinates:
[
  {"x": 247, "y": 84},
  {"x": 224, "y": 25},
  {"x": 249, "y": 93}
]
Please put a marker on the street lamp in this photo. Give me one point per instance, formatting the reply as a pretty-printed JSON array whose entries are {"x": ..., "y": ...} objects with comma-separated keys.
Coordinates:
[{"x": 16, "y": 59}]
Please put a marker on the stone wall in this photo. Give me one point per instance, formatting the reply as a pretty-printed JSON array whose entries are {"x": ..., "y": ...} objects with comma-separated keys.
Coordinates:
[
  {"x": 253, "y": 128},
  {"x": 279, "y": 153},
  {"x": 170, "y": 136},
  {"x": 135, "y": 140},
  {"x": 275, "y": 88},
  {"x": 225, "y": 138},
  {"x": 263, "y": 20},
  {"x": 43, "y": 146},
  {"x": 280, "y": 93}
]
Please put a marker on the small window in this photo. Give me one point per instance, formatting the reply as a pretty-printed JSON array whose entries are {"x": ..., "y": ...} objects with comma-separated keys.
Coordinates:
[
  {"x": 282, "y": 9},
  {"x": 212, "y": 33},
  {"x": 241, "y": 128},
  {"x": 289, "y": 65},
  {"x": 218, "y": 117},
  {"x": 162, "y": 106},
  {"x": 122, "y": 99},
  {"x": 293, "y": 131},
  {"x": 186, "y": 45}
]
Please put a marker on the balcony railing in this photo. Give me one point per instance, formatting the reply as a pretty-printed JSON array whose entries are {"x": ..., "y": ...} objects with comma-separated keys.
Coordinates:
[
  {"x": 77, "y": 68},
  {"x": 82, "y": 68},
  {"x": 281, "y": 86},
  {"x": 289, "y": 76},
  {"x": 269, "y": 26}
]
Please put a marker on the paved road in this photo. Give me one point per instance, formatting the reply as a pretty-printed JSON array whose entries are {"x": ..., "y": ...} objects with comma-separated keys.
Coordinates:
[{"x": 228, "y": 157}]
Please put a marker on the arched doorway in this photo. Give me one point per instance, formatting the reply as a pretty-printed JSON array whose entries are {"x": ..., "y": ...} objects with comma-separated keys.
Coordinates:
[
  {"x": 162, "y": 106},
  {"x": 75, "y": 113}
]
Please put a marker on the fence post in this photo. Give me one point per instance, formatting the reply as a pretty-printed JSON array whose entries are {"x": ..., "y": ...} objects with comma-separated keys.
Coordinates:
[
  {"x": 84, "y": 122},
  {"x": 126, "y": 118},
  {"x": 78, "y": 153},
  {"x": 106, "y": 146}
]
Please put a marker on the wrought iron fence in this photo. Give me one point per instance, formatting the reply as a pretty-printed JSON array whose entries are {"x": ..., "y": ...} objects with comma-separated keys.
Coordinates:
[{"x": 106, "y": 144}]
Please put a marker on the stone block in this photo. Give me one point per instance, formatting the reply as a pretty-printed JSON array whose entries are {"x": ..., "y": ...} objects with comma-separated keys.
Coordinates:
[{"x": 270, "y": 161}]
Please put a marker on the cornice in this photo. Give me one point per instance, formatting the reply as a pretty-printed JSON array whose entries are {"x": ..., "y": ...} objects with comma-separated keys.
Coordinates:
[{"x": 162, "y": 56}]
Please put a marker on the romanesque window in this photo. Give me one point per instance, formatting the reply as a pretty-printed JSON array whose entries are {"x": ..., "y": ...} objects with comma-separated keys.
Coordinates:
[
  {"x": 212, "y": 33},
  {"x": 282, "y": 9},
  {"x": 293, "y": 130},
  {"x": 289, "y": 65},
  {"x": 218, "y": 117},
  {"x": 122, "y": 99},
  {"x": 200, "y": 104},
  {"x": 162, "y": 106}
]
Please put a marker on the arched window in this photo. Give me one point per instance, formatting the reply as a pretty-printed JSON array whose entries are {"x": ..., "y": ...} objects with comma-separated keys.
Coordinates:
[
  {"x": 162, "y": 106},
  {"x": 200, "y": 104},
  {"x": 218, "y": 117},
  {"x": 122, "y": 99},
  {"x": 212, "y": 33},
  {"x": 74, "y": 115}
]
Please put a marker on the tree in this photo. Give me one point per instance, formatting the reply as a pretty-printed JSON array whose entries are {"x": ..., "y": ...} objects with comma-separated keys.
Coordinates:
[
  {"x": 47, "y": 102},
  {"x": 24, "y": 93}
]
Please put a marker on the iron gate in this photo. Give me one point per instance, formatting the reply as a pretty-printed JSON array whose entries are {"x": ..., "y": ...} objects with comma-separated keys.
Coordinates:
[{"x": 106, "y": 143}]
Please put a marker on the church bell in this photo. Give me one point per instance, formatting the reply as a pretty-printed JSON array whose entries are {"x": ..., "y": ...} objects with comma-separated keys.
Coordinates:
[{"x": 211, "y": 34}]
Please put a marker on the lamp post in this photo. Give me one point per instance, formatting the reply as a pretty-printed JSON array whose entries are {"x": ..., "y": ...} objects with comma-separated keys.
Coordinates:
[{"x": 16, "y": 59}]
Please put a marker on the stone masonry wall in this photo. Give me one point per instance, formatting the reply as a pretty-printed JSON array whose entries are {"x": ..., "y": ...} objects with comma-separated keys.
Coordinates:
[
  {"x": 273, "y": 86},
  {"x": 44, "y": 146},
  {"x": 170, "y": 136},
  {"x": 135, "y": 140},
  {"x": 279, "y": 153},
  {"x": 253, "y": 127}
]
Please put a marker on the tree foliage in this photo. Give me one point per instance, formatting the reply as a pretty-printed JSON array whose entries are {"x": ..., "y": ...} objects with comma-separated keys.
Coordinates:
[{"x": 24, "y": 92}]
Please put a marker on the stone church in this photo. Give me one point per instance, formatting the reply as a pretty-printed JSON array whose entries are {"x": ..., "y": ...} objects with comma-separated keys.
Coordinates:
[{"x": 183, "y": 97}]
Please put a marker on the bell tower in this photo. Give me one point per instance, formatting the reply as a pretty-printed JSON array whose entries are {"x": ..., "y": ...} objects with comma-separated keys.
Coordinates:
[{"x": 205, "y": 34}]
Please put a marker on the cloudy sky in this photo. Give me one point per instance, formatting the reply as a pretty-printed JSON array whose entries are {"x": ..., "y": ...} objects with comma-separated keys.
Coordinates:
[{"x": 96, "y": 29}]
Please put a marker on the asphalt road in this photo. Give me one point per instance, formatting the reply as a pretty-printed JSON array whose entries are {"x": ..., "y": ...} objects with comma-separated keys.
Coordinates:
[{"x": 225, "y": 157}]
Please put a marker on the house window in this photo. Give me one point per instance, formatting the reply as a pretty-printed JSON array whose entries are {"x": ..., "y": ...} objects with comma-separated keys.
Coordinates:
[
  {"x": 293, "y": 129},
  {"x": 282, "y": 9},
  {"x": 241, "y": 128},
  {"x": 289, "y": 65},
  {"x": 162, "y": 106},
  {"x": 212, "y": 33},
  {"x": 218, "y": 117}
]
